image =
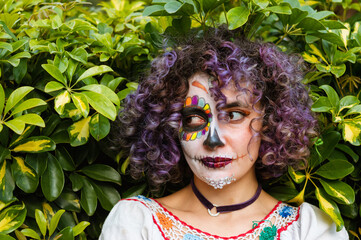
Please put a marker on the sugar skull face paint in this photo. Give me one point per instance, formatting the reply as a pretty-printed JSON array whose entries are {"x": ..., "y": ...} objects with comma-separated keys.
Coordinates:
[
  {"x": 197, "y": 118},
  {"x": 219, "y": 152}
]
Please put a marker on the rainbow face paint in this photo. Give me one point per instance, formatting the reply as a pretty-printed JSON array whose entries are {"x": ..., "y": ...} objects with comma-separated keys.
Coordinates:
[{"x": 197, "y": 118}]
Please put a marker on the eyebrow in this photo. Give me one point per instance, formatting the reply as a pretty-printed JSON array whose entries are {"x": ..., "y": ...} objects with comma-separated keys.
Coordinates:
[
  {"x": 236, "y": 104},
  {"x": 199, "y": 85}
]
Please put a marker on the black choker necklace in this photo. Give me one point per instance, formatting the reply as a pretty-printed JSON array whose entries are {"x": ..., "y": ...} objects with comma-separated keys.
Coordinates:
[{"x": 227, "y": 208}]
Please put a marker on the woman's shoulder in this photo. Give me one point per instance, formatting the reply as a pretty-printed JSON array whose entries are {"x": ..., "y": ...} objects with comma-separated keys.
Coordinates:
[
  {"x": 130, "y": 217},
  {"x": 313, "y": 223}
]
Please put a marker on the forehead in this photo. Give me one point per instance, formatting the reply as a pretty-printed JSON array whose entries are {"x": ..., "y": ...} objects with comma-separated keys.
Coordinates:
[{"x": 199, "y": 84}]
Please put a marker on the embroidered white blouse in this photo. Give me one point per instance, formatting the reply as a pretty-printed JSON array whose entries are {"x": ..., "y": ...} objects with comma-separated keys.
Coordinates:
[{"x": 141, "y": 218}]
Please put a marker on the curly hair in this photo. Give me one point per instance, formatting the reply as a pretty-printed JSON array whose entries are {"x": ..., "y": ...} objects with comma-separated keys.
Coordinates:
[{"x": 149, "y": 123}]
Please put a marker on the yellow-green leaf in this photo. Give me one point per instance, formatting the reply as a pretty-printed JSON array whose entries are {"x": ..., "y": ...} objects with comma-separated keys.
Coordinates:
[
  {"x": 317, "y": 52},
  {"x": 60, "y": 101},
  {"x": 11, "y": 218},
  {"x": 339, "y": 190},
  {"x": 329, "y": 207},
  {"x": 28, "y": 104},
  {"x": 2, "y": 99},
  {"x": 31, "y": 118},
  {"x": 16, "y": 96},
  {"x": 81, "y": 103},
  {"x": 35, "y": 145},
  {"x": 104, "y": 90},
  {"x": 26, "y": 170},
  {"x": 53, "y": 86},
  {"x": 79, "y": 228},
  {"x": 55, "y": 73},
  {"x": 94, "y": 71},
  {"x": 16, "y": 125},
  {"x": 299, "y": 199},
  {"x": 298, "y": 177},
  {"x": 351, "y": 132},
  {"x": 310, "y": 58},
  {"x": 79, "y": 132},
  {"x": 30, "y": 233},
  {"x": 41, "y": 221}
]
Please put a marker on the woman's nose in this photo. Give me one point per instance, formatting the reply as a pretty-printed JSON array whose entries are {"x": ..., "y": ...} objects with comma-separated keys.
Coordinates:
[{"x": 212, "y": 141}]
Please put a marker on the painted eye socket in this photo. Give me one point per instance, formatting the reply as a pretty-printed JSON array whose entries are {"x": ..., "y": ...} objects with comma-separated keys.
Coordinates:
[{"x": 194, "y": 119}]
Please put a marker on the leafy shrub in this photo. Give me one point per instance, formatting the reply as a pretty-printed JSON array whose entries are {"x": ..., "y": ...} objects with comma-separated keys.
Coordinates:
[{"x": 66, "y": 66}]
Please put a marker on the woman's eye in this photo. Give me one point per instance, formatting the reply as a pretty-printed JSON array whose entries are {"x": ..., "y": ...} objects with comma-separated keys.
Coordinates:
[
  {"x": 194, "y": 121},
  {"x": 234, "y": 116}
]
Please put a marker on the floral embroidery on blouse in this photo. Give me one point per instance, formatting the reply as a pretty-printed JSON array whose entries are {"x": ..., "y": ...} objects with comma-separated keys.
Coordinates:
[
  {"x": 286, "y": 211},
  {"x": 188, "y": 236},
  {"x": 164, "y": 221},
  {"x": 172, "y": 228}
]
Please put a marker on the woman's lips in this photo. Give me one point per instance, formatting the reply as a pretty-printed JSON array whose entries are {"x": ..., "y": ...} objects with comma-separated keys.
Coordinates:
[{"x": 216, "y": 162}]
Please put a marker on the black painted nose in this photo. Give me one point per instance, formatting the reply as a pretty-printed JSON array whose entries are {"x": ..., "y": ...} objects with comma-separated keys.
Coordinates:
[{"x": 213, "y": 140}]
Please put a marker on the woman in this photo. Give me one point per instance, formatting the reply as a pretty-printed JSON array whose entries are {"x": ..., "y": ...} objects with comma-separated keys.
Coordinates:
[{"x": 232, "y": 112}]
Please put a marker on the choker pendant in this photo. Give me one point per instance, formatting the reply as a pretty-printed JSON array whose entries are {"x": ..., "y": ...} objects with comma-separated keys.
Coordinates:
[{"x": 226, "y": 208}]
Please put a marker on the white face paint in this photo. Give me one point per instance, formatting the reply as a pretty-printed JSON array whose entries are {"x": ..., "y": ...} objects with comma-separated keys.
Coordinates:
[{"x": 218, "y": 152}]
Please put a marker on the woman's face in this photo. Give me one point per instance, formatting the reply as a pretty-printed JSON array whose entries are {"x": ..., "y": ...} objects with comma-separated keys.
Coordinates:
[{"x": 219, "y": 151}]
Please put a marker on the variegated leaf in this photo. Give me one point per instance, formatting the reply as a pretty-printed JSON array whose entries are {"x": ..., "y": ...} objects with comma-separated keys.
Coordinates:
[
  {"x": 11, "y": 218},
  {"x": 81, "y": 103},
  {"x": 60, "y": 101},
  {"x": 79, "y": 132},
  {"x": 35, "y": 145}
]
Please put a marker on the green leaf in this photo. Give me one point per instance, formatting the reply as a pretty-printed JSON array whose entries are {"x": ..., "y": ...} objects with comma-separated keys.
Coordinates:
[
  {"x": 79, "y": 132},
  {"x": 332, "y": 95},
  {"x": 102, "y": 172},
  {"x": 17, "y": 126},
  {"x": 338, "y": 70},
  {"x": 80, "y": 55},
  {"x": 64, "y": 158},
  {"x": 41, "y": 221},
  {"x": 97, "y": 70},
  {"x": 81, "y": 103},
  {"x": 6, "y": 46},
  {"x": 65, "y": 234},
  {"x": 28, "y": 104},
  {"x": 107, "y": 195},
  {"x": 329, "y": 36},
  {"x": 55, "y": 221},
  {"x": 339, "y": 190},
  {"x": 322, "y": 104},
  {"x": 349, "y": 151},
  {"x": 25, "y": 177},
  {"x": 298, "y": 177},
  {"x": 35, "y": 145},
  {"x": 111, "y": 82},
  {"x": 348, "y": 102},
  {"x": 15, "y": 97},
  {"x": 80, "y": 227},
  {"x": 335, "y": 169},
  {"x": 99, "y": 127},
  {"x": 31, "y": 118},
  {"x": 329, "y": 207},
  {"x": 237, "y": 17},
  {"x": 101, "y": 104},
  {"x": 12, "y": 218},
  {"x": 262, "y": 3},
  {"x": 2, "y": 99},
  {"x": 134, "y": 191},
  {"x": 154, "y": 10},
  {"x": 55, "y": 73},
  {"x": 53, "y": 86},
  {"x": 104, "y": 90},
  {"x": 28, "y": 232},
  {"x": 69, "y": 201},
  {"x": 61, "y": 100},
  {"x": 172, "y": 6},
  {"x": 52, "y": 180},
  {"x": 311, "y": 24},
  {"x": 88, "y": 198},
  {"x": 76, "y": 181},
  {"x": 279, "y": 9},
  {"x": 354, "y": 110}
]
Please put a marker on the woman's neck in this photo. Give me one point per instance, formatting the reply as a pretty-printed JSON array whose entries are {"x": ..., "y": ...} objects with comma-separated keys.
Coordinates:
[{"x": 236, "y": 192}]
